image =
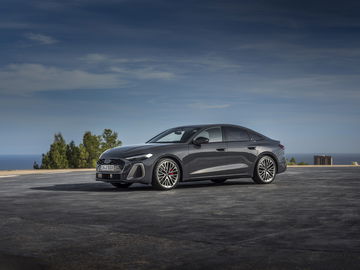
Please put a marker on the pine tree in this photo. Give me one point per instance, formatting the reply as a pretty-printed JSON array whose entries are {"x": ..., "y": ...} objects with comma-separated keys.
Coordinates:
[
  {"x": 109, "y": 140},
  {"x": 45, "y": 163},
  {"x": 62, "y": 155},
  {"x": 83, "y": 156},
  {"x": 56, "y": 158},
  {"x": 73, "y": 155},
  {"x": 92, "y": 145}
]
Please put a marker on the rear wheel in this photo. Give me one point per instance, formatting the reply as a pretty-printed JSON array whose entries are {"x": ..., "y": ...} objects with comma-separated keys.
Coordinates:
[
  {"x": 166, "y": 174},
  {"x": 265, "y": 170},
  {"x": 218, "y": 181},
  {"x": 121, "y": 185}
]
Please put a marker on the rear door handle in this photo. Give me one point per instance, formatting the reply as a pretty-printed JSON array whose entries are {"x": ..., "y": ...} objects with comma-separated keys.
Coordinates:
[
  {"x": 220, "y": 149},
  {"x": 252, "y": 147}
]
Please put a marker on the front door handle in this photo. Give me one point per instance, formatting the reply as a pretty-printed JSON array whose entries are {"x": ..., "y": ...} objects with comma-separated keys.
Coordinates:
[
  {"x": 220, "y": 149},
  {"x": 252, "y": 147}
]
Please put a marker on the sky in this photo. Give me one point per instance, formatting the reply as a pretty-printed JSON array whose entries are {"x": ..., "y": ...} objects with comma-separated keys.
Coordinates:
[{"x": 287, "y": 69}]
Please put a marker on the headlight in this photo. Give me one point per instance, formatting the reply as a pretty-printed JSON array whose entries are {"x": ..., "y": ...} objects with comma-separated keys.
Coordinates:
[{"x": 140, "y": 157}]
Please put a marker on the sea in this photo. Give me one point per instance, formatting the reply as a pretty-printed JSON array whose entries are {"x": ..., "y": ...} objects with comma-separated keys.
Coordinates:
[
  {"x": 19, "y": 162},
  {"x": 24, "y": 162}
]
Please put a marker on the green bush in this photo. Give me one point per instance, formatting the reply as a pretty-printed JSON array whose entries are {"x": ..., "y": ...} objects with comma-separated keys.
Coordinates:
[{"x": 293, "y": 162}]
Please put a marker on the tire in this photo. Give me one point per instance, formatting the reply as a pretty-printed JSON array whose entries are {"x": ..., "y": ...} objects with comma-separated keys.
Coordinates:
[
  {"x": 218, "y": 181},
  {"x": 166, "y": 174},
  {"x": 265, "y": 170},
  {"x": 121, "y": 185}
]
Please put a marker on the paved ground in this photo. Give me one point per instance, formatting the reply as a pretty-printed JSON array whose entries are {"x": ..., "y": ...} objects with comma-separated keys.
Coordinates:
[{"x": 308, "y": 219}]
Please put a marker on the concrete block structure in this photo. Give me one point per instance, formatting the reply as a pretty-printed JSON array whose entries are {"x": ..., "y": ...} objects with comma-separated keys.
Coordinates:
[{"x": 323, "y": 160}]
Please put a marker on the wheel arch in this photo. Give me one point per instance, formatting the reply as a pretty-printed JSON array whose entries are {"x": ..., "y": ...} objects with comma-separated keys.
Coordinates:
[
  {"x": 266, "y": 153},
  {"x": 173, "y": 157}
]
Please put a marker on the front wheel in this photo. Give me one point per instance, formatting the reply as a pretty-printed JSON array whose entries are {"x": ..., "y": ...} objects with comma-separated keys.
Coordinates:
[
  {"x": 265, "y": 170},
  {"x": 121, "y": 185},
  {"x": 166, "y": 174}
]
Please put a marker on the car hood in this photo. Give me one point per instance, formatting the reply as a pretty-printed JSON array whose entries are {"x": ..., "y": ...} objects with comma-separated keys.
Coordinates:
[{"x": 131, "y": 150}]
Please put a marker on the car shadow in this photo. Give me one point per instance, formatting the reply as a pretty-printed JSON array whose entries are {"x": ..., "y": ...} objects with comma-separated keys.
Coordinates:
[{"x": 104, "y": 187}]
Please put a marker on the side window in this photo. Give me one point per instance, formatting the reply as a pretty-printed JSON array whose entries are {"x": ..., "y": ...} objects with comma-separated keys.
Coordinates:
[
  {"x": 213, "y": 134},
  {"x": 234, "y": 134}
]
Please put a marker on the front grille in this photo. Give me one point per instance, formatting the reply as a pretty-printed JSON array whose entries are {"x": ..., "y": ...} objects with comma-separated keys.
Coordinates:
[
  {"x": 104, "y": 161},
  {"x": 108, "y": 176}
]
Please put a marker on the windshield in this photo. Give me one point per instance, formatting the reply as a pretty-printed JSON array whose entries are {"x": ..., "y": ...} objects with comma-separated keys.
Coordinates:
[{"x": 175, "y": 135}]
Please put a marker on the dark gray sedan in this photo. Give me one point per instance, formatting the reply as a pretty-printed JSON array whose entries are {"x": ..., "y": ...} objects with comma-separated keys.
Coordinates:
[{"x": 188, "y": 153}]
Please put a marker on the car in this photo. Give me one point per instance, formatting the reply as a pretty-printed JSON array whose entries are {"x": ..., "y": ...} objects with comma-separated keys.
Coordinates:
[{"x": 214, "y": 152}]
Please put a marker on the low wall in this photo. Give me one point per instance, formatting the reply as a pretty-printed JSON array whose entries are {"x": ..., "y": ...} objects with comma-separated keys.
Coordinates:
[{"x": 20, "y": 172}]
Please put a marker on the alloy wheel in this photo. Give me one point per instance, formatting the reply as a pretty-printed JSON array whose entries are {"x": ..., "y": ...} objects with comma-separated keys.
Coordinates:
[
  {"x": 266, "y": 169},
  {"x": 167, "y": 173}
]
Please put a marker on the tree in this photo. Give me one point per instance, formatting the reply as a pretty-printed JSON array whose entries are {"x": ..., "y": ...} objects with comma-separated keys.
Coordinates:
[
  {"x": 36, "y": 166},
  {"x": 92, "y": 145},
  {"x": 109, "y": 140},
  {"x": 292, "y": 160},
  {"x": 73, "y": 155},
  {"x": 62, "y": 155},
  {"x": 56, "y": 158},
  {"x": 83, "y": 156},
  {"x": 45, "y": 163}
]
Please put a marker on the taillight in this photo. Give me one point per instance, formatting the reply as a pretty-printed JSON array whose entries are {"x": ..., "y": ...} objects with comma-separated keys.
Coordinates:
[{"x": 281, "y": 146}]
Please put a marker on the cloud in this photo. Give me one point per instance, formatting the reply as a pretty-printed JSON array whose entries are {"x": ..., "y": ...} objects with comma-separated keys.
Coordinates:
[
  {"x": 28, "y": 78},
  {"x": 204, "y": 106},
  {"x": 144, "y": 73},
  {"x": 138, "y": 68},
  {"x": 161, "y": 68},
  {"x": 211, "y": 63},
  {"x": 95, "y": 58},
  {"x": 106, "y": 59},
  {"x": 42, "y": 39},
  {"x": 15, "y": 25}
]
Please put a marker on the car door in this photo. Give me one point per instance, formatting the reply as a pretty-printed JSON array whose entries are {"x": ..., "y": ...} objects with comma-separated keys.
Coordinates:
[
  {"x": 206, "y": 159},
  {"x": 241, "y": 151}
]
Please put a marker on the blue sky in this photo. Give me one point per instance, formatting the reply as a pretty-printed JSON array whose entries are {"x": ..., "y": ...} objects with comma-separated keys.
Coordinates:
[{"x": 287, "y": 69}]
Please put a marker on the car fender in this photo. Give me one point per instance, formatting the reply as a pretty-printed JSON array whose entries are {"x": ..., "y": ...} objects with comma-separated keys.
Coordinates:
[
  {"x": 172, "y": 156},
  {"x": 265, "y": 153}
]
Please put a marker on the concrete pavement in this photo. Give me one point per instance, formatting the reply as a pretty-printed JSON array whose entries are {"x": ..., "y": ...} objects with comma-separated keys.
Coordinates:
[{"x": 307, "y": 219}]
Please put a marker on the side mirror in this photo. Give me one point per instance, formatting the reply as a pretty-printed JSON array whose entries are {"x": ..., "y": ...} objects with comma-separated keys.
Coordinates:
[{"x": 200, "y": 140}]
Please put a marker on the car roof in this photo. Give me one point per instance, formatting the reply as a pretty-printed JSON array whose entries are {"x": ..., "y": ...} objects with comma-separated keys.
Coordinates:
[
  {"x": 227, "y": 125},
  {"x": 209, "y": 125}
]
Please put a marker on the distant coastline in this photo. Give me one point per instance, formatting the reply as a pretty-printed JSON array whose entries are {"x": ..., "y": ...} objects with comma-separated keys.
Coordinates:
[
  {"x": 338, "y": 158},
  {"x": 25, "y": 162}
]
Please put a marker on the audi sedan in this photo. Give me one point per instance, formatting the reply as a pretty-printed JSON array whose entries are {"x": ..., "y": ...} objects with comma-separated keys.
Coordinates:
[{"x": 189, "y": 153}]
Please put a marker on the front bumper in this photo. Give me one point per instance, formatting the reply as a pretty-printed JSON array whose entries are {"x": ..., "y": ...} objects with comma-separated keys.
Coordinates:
[{"x": 127, "y": 171}]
